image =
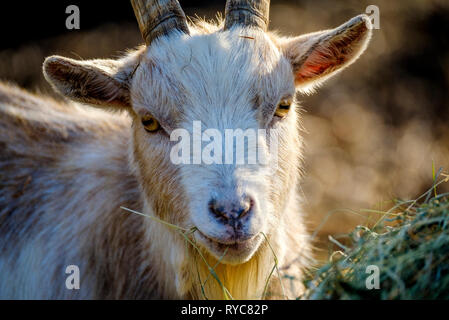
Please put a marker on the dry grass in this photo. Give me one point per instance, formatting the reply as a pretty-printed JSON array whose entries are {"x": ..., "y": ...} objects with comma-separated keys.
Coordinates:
[
  {"x": 409, "y": 245},
  {"x": 187, "y": 234}
]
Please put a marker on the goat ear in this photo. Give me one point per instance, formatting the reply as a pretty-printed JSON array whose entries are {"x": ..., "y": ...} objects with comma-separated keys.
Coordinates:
[
  {"x": 317, "y": 56},
  {"x": 97, "y": 82}
]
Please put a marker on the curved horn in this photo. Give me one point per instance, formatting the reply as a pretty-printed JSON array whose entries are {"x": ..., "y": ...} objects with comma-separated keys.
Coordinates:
[
  {"x": 158, "y": 17},
  {"x": 254, "y": 13}
]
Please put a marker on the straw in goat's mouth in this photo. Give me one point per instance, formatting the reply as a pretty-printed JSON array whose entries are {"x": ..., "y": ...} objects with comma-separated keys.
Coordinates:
[{"x": 185, "y": 233}]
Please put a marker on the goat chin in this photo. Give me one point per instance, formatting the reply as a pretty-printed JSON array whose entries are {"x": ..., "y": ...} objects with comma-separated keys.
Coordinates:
[{"x": 253, "y": 279}]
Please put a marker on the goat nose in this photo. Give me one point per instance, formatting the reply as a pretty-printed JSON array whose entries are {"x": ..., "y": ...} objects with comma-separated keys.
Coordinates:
[{"x": 229, "y": 211}]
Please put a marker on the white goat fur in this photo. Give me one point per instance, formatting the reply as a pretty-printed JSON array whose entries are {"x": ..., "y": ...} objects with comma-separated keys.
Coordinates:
[{"x": 66, "y": 169}]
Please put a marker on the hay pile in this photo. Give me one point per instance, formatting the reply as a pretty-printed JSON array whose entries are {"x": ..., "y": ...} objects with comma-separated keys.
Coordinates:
[{"x": 410, "y": 247}]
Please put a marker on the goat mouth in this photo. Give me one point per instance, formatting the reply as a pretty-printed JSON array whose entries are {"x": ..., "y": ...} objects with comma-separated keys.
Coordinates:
[
  {"x": 227, "y": 243},
  {"x": 237, "y": 251}
]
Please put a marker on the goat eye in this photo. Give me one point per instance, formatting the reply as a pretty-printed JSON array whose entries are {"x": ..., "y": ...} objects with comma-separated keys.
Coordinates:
[
  {"x": 283, "y": 108},
  {"x": 150, "y": 124}
]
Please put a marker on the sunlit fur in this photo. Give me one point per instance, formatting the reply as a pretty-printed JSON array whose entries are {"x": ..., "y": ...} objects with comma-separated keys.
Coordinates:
[{"x": 66, "y": 169}]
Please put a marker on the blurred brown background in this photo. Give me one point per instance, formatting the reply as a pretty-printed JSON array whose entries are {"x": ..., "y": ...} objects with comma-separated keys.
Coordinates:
[{"x": 373, "y": 131}]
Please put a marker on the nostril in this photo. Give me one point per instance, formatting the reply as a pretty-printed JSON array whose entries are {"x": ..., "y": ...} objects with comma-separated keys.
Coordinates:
[
  {"x": 246, "y": 208},
  {"x": 218, "y": 211}
]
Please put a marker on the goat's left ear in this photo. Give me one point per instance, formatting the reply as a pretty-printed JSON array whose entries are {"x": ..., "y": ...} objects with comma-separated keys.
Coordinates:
[
  {"x": 102, "y": 83},
  {"x": 317, "y": 56}
]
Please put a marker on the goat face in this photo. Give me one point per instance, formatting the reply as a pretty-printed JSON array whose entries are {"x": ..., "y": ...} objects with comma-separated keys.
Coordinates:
[
  {"x": 239, "y": 78},
  {"x": 225, "y": 83}
]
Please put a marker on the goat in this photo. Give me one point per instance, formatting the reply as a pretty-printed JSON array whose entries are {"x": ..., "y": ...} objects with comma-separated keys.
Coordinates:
[{"x": 67, "y": 170}]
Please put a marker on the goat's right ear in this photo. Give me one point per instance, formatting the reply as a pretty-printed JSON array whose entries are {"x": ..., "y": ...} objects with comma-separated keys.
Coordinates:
[{"x": 103, "y": 83}]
